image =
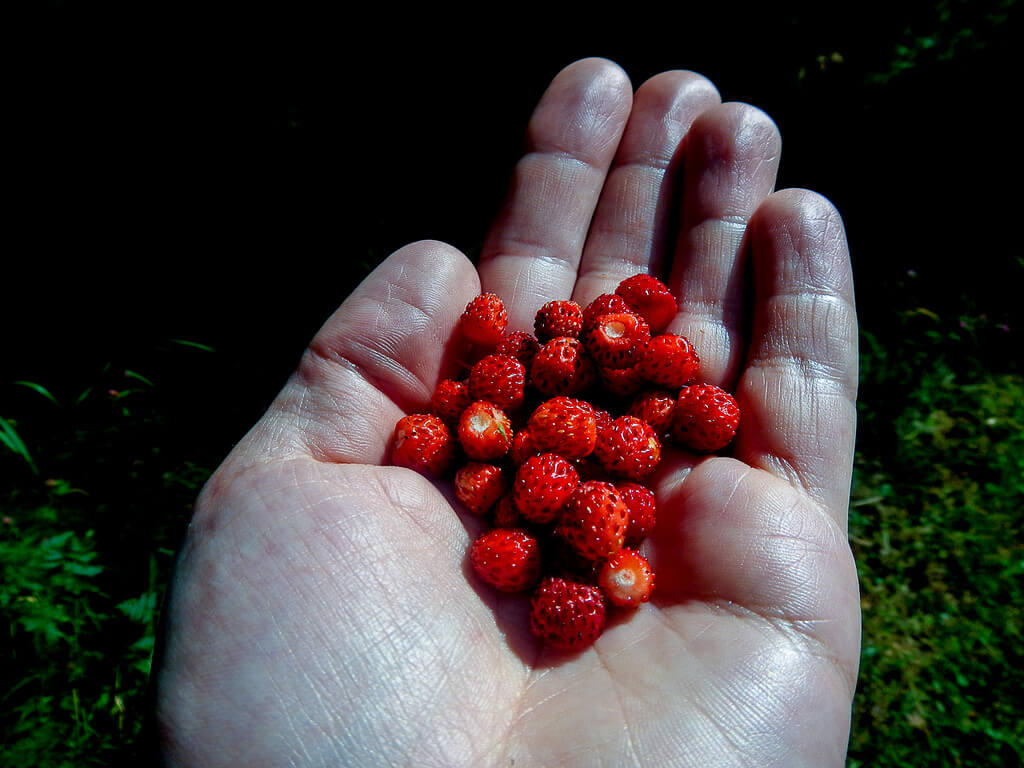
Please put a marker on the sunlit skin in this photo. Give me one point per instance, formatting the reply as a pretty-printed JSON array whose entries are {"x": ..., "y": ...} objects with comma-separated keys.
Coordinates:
[{"x": 323, "y": 611}]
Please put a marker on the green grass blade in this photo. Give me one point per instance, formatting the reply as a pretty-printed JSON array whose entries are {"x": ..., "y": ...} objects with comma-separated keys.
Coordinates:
[
  {"x": 193, "y": 344},
  {"x": 133, "y": 375},
  {"x": 40, "y": 389},
  {"x": 9, "y": 437}
]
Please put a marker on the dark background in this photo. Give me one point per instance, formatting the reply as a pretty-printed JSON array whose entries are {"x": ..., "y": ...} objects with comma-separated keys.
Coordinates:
[{"x": 179, "y": 211}]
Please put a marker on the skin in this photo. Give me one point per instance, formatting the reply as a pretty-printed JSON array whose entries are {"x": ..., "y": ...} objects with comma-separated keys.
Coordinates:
[{"x": 323, "y": 611}]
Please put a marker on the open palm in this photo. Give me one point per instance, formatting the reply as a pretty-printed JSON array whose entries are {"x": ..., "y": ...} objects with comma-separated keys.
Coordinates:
[{"x": 323, "y": 612}]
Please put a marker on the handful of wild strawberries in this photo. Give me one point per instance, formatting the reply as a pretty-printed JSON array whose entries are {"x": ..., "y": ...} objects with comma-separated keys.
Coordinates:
[{"x": 540, "y": 441}]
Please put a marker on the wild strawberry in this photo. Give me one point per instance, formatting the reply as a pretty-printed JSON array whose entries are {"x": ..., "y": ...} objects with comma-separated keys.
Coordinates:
[
  {"x": 567, "y": 615},
  {"x": 522, "y": 446},
  {"x": 449, "y": 400},
  {"x": 542, "y": 485},
  {"x": 628, "y": 447},
  {"x": 594, "y": 520},
  {"x": 485, "y": 431},
  {"x": 622, "y": 382},
  {"x": 508, "y": 560},
  {"x": 520, "y": 345},
  {"x": 505, "y": 513},
  {"x": 651, "y": 298},
  {"x": 617, "y": 340},
  {"x": 643, "y": 511},
  {"x": 562, "y": 367},
  {"x": 422, "y": 442},
  {"x": 498, "y": 379},
  {"x": 655, "y": 406},
  {"x": 484, "y": 320},
  {"x": 565, "y": 426},
  {"x": 479, "y": 486},
  {"x": 603, "y": 419},
  {"x": 626, "y": 579},
  {"x": 669, "y": 361},
  {"x": 606, "y": 303},
  {"x": 706, "y": 418},
  {"x": 558, "y": 318}
]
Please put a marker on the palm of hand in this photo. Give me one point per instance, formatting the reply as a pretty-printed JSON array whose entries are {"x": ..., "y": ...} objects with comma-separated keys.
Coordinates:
[{"x": 323, "y": 611}]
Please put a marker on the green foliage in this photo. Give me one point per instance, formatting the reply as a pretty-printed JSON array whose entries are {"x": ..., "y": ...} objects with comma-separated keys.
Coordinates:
[
  {"x": 936, "y": 528},
  {"x": 100, "y": 495}
]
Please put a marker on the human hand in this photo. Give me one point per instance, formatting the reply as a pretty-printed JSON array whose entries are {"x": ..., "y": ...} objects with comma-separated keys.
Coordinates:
[{"x": 322, "y": 611}]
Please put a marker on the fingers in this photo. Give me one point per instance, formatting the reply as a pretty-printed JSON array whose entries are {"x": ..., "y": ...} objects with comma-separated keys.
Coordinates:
[
  {"x": 798, "y": 391},
  {"x": 731, "y": 160},
  {"x": 630, "y": 228},
  {"x": 533, "y": 250},
  {"x": 378, "y": 357}
]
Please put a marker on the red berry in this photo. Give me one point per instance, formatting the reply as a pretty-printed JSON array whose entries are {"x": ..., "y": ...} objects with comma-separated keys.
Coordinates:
[
  {"x": 479, "y": 486},
  {"x": 498, "y": 379},
  {"x": 606, "y": 303},
  {"x": 484, "y": 320},
  {"x": 669, "y": 361},
  {"x": 449, "y": 400},
  {"x": 423, "y": 442},
  {"x": 706, "y": 418},
  {"x": 508, "y": 560},
  {"x": 520, "y": 345},
  {"x": 623, "y": 382},
  {"x": 642, "y": 511},
  {"x": 522, "y": 446},
  {"x": 565, "y": 426},
  {"x": 505, "y": 513},
  {"x": 594, "y": 520},
  {"x": 626, "y": 579},
  {"x": 485, "y": 432},
  {"x": 561, "y": 367},
  {"x": 655, "y": 406},
  {"x": 567, "y": 615},
  {"x": 542, "y": 485},
  {"x": 617, "y": 340},
  {"x": 651, "y": 298},
  {"x": 628, "y": 447},
  {"x": 558, "y": 318}
]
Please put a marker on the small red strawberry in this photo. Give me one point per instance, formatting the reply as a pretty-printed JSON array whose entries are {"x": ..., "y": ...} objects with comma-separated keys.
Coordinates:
[
  {"x": 567, "y": 615},
  {"x": 643, "y": 511},
  {"x": 617, "y": 340},
  {"x": 606, "y": 303},
  {"x": 705, "y": 419},
  {"x": 594, "y": 520},
  {"x": 562, "y": 367},
  {"x": 565, "y": 426},
  {"x": 651, "y": 298},
  {"x": 520, "y": 345},
  {"x": 542, "y": 485},
  {"x": 449, "y": 400},
  {"x": 558, "y": 318},
  {"x": 508, "y": 560},
  {"x": 424, "y": 443},
  {"x": 498, "y": 379},
  {"x": 505, "y": 513},
  {"x": 626, "y": 579},
  {"x": 485, "y": 431},
  {"x": 655, "y": 406},
  {"x": 669, "y": 361},
  {"x": 628, "y": 447},
  {"x": 623, "y": 382},
  {"x": 484, "y": 320},
  {"x": 522, "y": 446},
  {"x": 479, "y": 486}
]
